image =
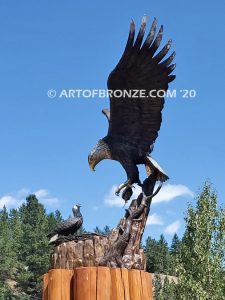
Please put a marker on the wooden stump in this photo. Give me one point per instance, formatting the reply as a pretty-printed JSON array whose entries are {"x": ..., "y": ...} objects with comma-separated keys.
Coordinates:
[
  {"x": 83, "y": 252},
  {"x": 97, "y": 283}
]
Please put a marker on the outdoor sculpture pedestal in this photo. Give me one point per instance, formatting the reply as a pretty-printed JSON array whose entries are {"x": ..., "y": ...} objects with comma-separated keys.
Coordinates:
[
  {"x": 85, "y": 251},
  {"x": 97, "y": 283},
  {"x": 98, "y": 267},
  {"x": 92, "y": 250}
]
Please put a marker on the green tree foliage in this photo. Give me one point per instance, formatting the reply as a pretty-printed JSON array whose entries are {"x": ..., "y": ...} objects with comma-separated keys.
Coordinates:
[
  {"x": 159, "y": 259},
  {"x": 164, "y": 289},
  {"x": 54, "y": 219},
  {"x": 34, "y": 248},
  {"x": 174, "y": 254},
  {"x": 24, "y": 249},
  {"x": 6, "y": 251},
  {"x": 202, "y": 252},
  {"x": 175, "y": 245},
  {"x": 158, "y": 287},
  {"x": 169, "y": 290}
]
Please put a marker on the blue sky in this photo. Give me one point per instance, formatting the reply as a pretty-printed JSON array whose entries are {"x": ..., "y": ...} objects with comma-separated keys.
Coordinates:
[{"x": 75, "y": 44}]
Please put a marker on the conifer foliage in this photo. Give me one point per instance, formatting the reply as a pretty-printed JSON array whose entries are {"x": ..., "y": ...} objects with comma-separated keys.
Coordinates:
[{"x": 24, "y": 249}]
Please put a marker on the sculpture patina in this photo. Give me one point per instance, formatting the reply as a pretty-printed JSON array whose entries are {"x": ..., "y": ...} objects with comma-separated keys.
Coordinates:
[
  {"x": 134, "y": 121},
  {"x": 66, "y": 230},
  {"x": 135, "y": 112}
]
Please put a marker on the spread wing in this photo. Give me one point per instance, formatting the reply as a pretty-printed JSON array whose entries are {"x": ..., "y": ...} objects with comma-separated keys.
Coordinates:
[{"x": 134, "y": 117}]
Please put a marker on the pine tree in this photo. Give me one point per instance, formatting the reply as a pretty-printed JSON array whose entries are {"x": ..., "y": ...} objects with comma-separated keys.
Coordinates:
[
  {"x": 157, "y": 282},
  {"x": 175, "y": 245},
  {"x": 169, "y": 290},
  {"x": 157, "y": 256},
  {"x": 6, "y": 246},
  {"x": 34, "y": 249},
  {"x": 165, "y": 289},
  {"x": 6, "y": 250},
  {"x": 106, "y": 230},
  {"x": 174, "y": 252},
  {"x": 53, "y": 220},
  {"x": 163, "y": 256},
  {"x": 16, "y": 231},
  {"x": 150, "y": 250}
]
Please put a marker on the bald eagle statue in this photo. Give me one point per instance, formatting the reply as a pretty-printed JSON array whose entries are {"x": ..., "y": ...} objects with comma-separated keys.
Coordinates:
[
  {"x": 67, "y": 227},
  {"x": 135, "y": 118}
]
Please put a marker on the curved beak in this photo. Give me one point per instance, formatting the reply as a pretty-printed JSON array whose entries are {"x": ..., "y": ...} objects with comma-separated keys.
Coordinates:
[{"x": 92, "y": 168}]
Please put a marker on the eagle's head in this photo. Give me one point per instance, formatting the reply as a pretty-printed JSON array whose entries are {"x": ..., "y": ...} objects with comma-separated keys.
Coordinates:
[
  {"x": 76, "y": 208},
  {"x": 99, "y": 152}
]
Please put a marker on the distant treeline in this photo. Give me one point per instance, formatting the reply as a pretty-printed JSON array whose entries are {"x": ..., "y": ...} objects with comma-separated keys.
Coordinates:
[{"x": 197, "y": 259}]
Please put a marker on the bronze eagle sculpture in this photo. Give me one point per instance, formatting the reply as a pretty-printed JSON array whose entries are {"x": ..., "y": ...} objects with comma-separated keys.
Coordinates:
[
  {"x": 134, "y": 121},
  {"x": 67, "y": 227}
]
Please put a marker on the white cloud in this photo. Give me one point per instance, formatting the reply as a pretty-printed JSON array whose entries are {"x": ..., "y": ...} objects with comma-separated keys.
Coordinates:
[
  {"x": 22, "y": 193},
  {"x": 173, "y": 228},
  {"x": 42, "y": 193},
  {"x": 44, "y": 197},
  {"x": 154, "y": 219},
  {"x": 16, "y": 199},
  {"x": 8, "y": 201},
  {"x": 112, "y": 200},
  {"x": 167, "y": 193}
]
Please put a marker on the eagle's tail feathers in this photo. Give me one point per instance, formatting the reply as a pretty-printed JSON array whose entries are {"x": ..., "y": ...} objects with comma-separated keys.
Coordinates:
[{"x": 152, "y": 165}]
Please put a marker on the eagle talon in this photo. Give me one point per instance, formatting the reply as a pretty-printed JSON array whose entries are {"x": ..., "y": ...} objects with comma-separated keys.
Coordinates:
[{"x": 122, "y": 186}]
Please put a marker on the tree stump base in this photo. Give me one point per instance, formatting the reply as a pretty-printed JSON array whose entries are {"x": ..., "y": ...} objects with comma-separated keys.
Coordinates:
[
  {"x": 85, "y": 251},
  {"x": 88, "y": 250},
  {"x": 97, "y": 283}
]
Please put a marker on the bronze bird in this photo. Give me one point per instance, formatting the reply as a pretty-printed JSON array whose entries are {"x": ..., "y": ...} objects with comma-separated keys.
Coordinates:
[
  {"x": 67, "y": 227},
  {"x": 134, "y": 121}
]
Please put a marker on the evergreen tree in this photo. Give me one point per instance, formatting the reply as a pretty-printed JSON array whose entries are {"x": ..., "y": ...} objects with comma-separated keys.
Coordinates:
[
  {"x": 6, "y": 246},
  {"x": 34, "y": 250},
  {"x": 157, "y": 282},
  {"x": 6, "y": 257},
  {"x": 158, "y": 256},
  {"x": 106, "y": 230},
  {"x": 165, "y": 289},
  {"x": 169, "y": 290},
  {"x": 150, "y": 250},
  {"x": 174, "y": 252},
  {"x": 97, "y": 230},
  {"x": 175, "y": 245},
  {"x": 53, "y": 220},
  {"x": 164, "y": 261}
]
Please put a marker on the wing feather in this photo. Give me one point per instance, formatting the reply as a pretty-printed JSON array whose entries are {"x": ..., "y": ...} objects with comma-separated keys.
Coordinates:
[
  {"x": 67, "y": 224},
  {"x": 138, "y": 120}
]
